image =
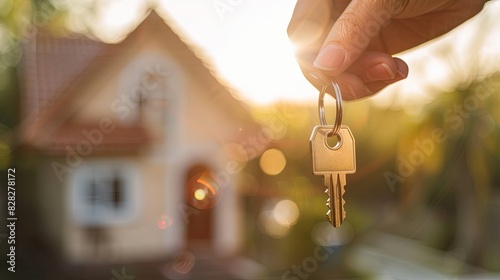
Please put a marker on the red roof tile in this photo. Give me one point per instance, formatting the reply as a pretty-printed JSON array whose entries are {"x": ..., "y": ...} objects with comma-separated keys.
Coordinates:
[{"x": 50, "y": 65}]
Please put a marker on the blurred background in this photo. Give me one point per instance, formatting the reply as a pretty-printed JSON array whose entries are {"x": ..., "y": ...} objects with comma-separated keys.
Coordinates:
[{"x": 170, "y": 140}]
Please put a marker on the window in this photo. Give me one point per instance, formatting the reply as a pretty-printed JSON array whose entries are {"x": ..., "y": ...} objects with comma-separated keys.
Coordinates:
[
  {"x": 104, "y": 193},
  {"x": 154, "y": 99}
]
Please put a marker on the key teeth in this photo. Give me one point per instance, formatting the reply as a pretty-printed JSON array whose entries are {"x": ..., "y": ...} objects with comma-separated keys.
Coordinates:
[
  {"x": 328, "y": 202},
  {"x": 343, "y": 203},
  {"x": 343, "y": 210}
]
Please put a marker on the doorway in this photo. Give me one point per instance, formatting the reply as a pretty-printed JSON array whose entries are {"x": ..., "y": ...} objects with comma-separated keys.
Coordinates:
[{"x": 202, "y": 194}]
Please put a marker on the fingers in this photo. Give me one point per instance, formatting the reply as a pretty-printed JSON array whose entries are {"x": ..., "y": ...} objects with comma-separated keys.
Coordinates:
[
  {"x": 352, "y": 40},
  {"x": 354, "y": 88},
  {"x": 308, "y": 28},
  {"x": 352, "y": 33},
  {"x": 312, "y": 20},
  {"x": 360, "y": 73},
  {"x": 414, "y": 8},
  {"x": 349, "y": 27},
  {"x": 374, "y": 66},
  {"x": 369, "y": 74}
]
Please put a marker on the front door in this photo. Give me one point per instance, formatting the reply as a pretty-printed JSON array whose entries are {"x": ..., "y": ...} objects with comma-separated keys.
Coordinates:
[{"x": 202, "y": 193}]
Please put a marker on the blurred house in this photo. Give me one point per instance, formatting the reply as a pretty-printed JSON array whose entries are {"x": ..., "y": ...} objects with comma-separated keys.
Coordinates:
[{"x": 136, "y": 146}]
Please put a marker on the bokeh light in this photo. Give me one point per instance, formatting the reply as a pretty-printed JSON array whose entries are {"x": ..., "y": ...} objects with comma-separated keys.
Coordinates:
[
  {"x": 184, "y": 262},
  {"x": 287, "y": 209},
  {"x": 272, "y": 162},
  {"x": 277, "y": 217},
  {"x": 164, "y": 222},
  {"x": 273, "y": 224},
  {"x": 180, "y": 266},
  {"x": 203, "y": 190},
  {"x": 324, "y": 234},
  {"x": 200, "y": 194}
]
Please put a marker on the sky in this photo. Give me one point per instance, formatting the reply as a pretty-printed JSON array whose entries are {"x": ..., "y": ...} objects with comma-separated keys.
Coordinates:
[
  {"x": 249, "y": 44},
  {"x": 246, "y": 40}
]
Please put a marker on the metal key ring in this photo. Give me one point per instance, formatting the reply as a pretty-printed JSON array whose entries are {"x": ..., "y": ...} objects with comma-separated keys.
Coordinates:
[{"x": 321, "y": 103}]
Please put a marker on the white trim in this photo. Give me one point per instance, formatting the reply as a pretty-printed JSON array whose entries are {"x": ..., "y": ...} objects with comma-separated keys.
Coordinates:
[{"x": 104, "y": 170}]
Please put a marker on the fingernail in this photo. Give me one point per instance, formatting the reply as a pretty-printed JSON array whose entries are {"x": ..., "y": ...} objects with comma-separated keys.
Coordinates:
[
  {"x": 400, "y": 75},
  {"x": 380, "y": 72},
  {"x": 330, "y": 58}
]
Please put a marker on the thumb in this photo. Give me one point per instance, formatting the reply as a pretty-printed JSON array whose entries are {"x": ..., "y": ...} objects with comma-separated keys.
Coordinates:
[{"x": 352, "y": 33}]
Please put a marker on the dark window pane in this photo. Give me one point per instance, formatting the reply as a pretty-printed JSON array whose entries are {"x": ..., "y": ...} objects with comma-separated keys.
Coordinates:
[
  {"x": 92, "y": 191},
  {"x": 117, "y": 191},
  {"x": 92, "y": 194}
]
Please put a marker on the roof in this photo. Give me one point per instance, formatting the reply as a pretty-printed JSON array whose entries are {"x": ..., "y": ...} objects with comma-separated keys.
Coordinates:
[
  {"x": 54, "y": 68},
  {"x": 87, "y": 138},
  {"x": 51, "y": 64}
]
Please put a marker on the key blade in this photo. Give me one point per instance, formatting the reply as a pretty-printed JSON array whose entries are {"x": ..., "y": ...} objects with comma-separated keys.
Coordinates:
[
  {"x": 342, "y": 183},
  {"x": 337, "y": 205},
  {"x": 335, "y": 202}
]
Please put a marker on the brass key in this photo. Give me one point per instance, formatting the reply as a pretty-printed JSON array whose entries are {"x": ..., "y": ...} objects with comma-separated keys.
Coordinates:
[{"x": 333, "y": 163}]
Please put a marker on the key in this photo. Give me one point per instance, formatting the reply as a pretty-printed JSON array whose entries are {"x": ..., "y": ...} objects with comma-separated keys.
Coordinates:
[{"x": 333, "y": 163}]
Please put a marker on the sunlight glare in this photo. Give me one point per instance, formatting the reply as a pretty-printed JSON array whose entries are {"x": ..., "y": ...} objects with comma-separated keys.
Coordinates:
[
  {"x": 250, "y": 47},
  {"x": 116, "y": 16},
  {"x": 265, "y": 70}
]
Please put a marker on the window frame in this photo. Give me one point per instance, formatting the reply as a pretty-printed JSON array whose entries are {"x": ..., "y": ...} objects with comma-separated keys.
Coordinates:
[{"x": 103, "y": 212}]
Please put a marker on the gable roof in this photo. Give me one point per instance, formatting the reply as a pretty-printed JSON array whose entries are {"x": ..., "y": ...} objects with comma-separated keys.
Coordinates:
[
  {"x": 50, "y": 64},
  {"x": 54, "y": 69}
]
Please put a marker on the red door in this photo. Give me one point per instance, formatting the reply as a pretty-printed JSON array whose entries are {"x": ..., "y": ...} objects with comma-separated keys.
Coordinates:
[{"x": 202, "y": 194}]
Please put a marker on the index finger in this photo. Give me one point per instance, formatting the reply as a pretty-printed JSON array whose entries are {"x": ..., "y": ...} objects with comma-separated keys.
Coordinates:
[{"x": 309, "y": 26}]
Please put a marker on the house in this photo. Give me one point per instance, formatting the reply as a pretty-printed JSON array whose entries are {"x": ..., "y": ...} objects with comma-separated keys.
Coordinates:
[{"x": 138, "y": 144}]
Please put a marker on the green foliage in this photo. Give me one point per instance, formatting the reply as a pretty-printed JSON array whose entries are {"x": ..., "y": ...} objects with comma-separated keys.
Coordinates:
[
  {"x": 19, "y": 20},
  {"x": 444, "y": 196}
]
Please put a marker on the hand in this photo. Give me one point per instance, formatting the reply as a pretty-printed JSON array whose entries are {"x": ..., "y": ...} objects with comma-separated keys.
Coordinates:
[{"x": 353, "y": 41}]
